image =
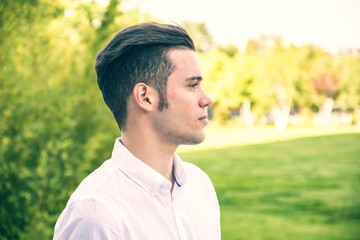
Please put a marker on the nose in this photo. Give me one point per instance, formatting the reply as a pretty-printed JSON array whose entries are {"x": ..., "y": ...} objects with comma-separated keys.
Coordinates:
[{"x": 205, "y": 100}]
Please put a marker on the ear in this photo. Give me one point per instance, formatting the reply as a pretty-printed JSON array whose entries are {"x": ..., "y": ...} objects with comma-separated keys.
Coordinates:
[{"x": 144, "y": 96}]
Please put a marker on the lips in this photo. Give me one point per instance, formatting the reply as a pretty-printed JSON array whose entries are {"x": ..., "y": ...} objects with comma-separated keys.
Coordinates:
[{"x": 204, "y": 119}]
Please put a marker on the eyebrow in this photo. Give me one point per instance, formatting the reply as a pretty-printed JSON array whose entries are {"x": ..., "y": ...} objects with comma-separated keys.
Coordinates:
[{"x": 197, "y": 78}]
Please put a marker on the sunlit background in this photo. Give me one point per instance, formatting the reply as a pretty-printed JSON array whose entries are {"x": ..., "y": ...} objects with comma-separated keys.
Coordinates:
[
  {"x": 332, "y": 24},
  {"x": 283, "y": 142}
]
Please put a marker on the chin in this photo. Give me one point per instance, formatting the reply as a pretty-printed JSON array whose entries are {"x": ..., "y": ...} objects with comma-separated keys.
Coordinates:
[{"x": 193, "y": 140}]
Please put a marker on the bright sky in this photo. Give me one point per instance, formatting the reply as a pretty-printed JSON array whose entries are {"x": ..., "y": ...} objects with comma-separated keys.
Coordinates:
[{"x": 331, "y": 24}]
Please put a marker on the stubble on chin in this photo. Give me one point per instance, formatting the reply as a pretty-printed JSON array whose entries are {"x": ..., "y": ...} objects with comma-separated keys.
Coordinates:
[{"x": 174, "y": 135}]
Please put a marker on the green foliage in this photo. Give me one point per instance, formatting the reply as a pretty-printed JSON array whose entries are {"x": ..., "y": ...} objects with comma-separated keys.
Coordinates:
[
  {"x": 307, "y": 188},
  {"x": 350, "y": 86},
  {"x": 271, "y": 75},
  {"x": 54, "y": 127},
  {"x": 230, "y": 50}
]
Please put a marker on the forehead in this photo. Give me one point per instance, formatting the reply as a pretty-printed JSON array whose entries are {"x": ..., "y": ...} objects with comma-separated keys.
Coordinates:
[{"x": 186, "y": 64}]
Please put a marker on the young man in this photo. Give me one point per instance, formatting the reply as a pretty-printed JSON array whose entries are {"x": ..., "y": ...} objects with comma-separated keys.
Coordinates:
[{"x": 150, "y": 79}]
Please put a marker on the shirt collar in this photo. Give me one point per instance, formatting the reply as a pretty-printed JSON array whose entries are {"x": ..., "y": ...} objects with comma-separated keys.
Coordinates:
[
  {"x": 141, "y": 173},
  {"x": 179, "y": 171}
]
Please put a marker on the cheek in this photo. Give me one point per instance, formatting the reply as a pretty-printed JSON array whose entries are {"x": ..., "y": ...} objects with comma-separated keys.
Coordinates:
[
  {"x": 178, "y": 116},
  {"x": 186, "y": 100},
  {"x": 184, "y": 110},
  {"x": 183, "y": 105}
]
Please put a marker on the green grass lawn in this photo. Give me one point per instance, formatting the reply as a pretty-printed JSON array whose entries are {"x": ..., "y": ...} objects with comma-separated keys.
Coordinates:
[{"x": 305, "y": 188}]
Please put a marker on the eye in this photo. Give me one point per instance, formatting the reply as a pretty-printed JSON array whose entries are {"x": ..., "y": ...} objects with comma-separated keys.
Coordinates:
[{"x": 194, "y": 85}]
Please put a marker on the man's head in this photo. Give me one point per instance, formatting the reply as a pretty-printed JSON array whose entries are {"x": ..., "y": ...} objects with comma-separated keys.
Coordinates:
[{"x": 138, "y": 54}]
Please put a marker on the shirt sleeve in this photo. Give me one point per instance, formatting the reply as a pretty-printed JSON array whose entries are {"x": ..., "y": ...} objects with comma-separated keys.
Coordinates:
[{"x": 86, "y": 219}]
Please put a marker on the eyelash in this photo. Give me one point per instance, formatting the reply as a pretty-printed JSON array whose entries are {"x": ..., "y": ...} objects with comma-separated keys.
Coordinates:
[{"x": 193, "y": 85}]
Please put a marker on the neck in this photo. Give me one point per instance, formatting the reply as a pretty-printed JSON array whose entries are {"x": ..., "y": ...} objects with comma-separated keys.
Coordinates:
[{"x": 152, "y": 151}]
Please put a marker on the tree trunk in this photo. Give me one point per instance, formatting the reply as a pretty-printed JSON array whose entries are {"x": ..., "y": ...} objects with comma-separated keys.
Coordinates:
[
  {"x": 357, "y": 116},
  {"x": 282, "y": 110},
  {"x": 245, "y": 114},
  {"x": 326, "y": 112},
  {"x": 281, "y": 116}
]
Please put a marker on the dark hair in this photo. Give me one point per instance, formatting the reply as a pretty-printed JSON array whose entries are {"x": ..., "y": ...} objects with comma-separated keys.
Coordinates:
[{"x": 138, "y": 54}]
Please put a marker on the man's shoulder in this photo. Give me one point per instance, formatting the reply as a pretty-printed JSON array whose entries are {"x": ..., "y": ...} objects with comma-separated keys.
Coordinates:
[
  {"x": 202, "y": 189},
  {"x": 99, "y": 191},
  {"x": 90, "y": 209},
  {"x": 96, "y": 182},
  {"x": 86, "y": 218},
  {"x": 191, "y": 168},
  {"x": 196, "y": 174}
]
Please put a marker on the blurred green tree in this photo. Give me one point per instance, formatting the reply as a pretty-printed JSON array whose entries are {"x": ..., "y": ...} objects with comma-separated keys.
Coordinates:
[
  {"x": 349, "y": 96},
  {"x": 326, "y": 79},
  {"x": 55, "y": 128},
  {"x": 230, "y": 50}
]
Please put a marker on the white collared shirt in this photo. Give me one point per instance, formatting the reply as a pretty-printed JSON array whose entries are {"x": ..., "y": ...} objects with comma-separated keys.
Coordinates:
[{"x": 126, "y": 199}]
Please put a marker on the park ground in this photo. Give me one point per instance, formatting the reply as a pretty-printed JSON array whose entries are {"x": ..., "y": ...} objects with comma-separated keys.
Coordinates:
[{"x": 302, "y": 183}]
